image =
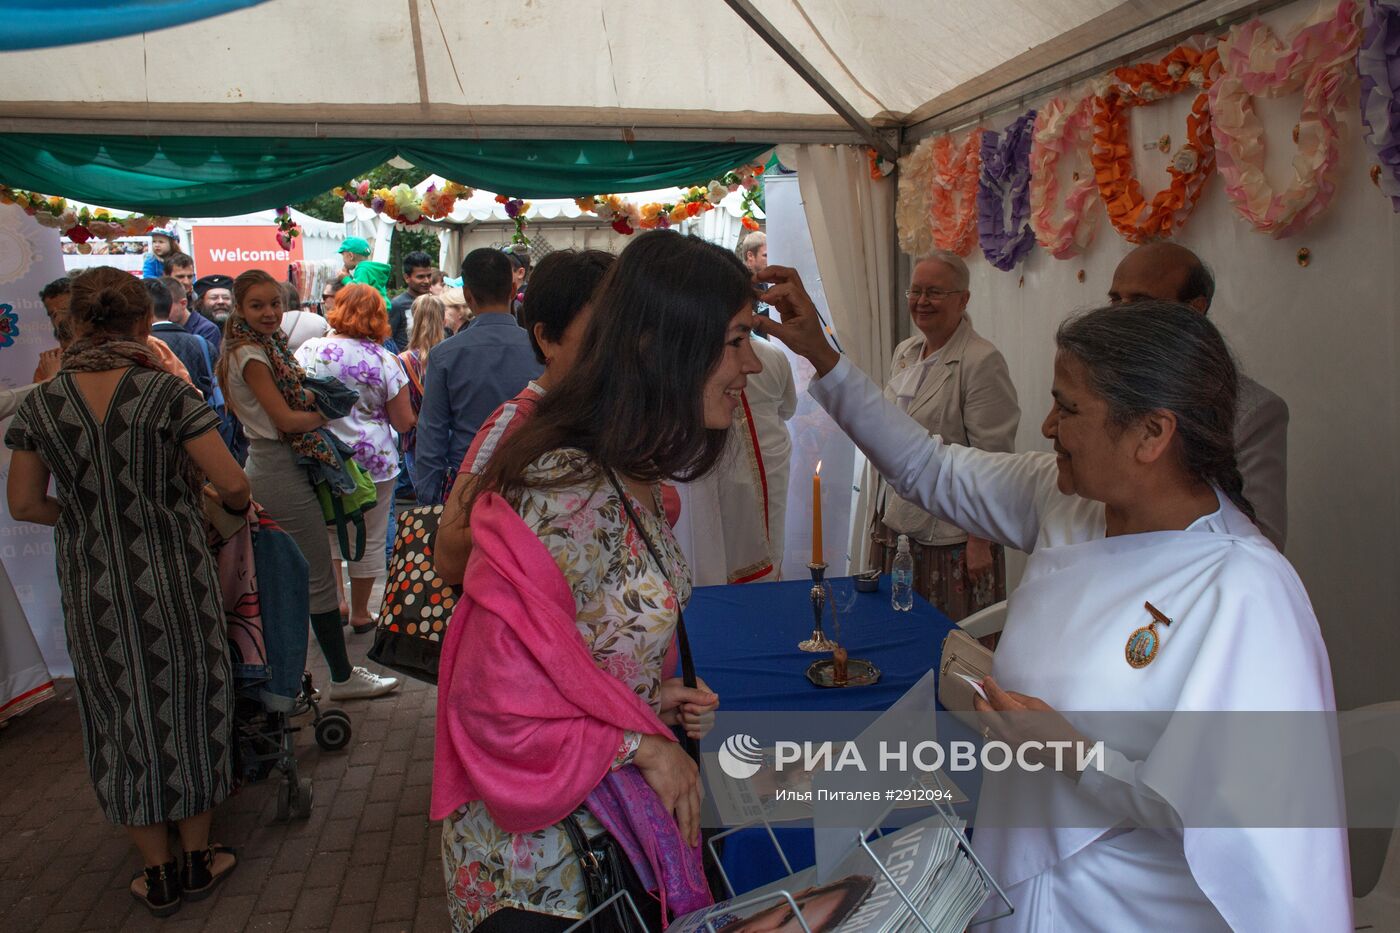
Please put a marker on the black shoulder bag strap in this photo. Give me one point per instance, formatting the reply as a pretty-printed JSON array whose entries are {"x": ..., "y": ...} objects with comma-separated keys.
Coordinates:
[{"x": 691, "y": 746}]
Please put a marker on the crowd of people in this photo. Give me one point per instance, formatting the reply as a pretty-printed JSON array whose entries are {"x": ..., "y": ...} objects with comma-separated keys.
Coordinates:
[{"x": 565, "y": 426}]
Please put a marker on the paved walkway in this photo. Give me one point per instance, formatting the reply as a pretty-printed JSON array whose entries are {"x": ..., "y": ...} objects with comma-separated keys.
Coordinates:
[{"x": 366, "y": 860}]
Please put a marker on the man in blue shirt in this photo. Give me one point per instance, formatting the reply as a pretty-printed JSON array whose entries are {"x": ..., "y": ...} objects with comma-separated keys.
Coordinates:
[{"x": 470, "y": 374}]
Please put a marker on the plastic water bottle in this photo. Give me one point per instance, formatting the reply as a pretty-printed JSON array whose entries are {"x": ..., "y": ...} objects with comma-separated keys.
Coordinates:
[{"x": 902, "y": 600}]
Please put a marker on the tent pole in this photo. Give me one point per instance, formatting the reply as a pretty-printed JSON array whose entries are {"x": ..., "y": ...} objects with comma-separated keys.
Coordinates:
[{"x": 798, "y": 62}]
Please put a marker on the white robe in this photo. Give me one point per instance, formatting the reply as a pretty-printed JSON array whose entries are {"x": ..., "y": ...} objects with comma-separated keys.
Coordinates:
[
  {"x": 24, "y": 677},
  {"x": 1244, "y": 638}
]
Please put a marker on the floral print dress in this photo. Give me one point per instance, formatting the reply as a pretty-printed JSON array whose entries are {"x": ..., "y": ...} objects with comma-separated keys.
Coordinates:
[
  {"x": 627, "y": 616},
  {"x": 378, "y": 376}
]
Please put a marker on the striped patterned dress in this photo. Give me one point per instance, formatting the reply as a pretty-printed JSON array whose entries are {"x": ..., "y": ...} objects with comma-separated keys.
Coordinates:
[{"x": 141, "y": 603}]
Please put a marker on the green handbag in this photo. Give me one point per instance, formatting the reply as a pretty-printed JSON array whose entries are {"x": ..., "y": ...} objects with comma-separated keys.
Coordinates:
[{"x": 348, "y": 509}]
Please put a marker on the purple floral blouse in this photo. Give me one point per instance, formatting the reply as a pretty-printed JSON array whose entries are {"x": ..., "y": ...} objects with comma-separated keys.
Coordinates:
[{"x": 378, "y": 376}]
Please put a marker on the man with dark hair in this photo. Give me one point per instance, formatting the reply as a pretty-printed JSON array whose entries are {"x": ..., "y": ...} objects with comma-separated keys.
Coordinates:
[
  {"x": 1171, "y": 272},
  {"x": 470, "y": 374},
  {"x": 189, "y": 349},
  {"x": 520, "y": 276},
  {"x": 180, "y": 268},
  {"x": 418, "y": 277}
]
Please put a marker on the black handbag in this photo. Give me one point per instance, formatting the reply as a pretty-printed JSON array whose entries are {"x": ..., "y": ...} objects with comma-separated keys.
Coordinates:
[{"x": 605, "y": 866}]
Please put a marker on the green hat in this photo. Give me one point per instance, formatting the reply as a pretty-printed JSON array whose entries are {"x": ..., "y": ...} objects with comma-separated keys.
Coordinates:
[{"x": 354, "y": 244}]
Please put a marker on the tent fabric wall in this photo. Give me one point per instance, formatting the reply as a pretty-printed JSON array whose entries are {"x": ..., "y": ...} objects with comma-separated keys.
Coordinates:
[
  {"x": 1325, "y": 336},
  {"x": 39, "y": 24},
  {"x": 212, "y": 175},
  {"x": 468, "y": 66}
]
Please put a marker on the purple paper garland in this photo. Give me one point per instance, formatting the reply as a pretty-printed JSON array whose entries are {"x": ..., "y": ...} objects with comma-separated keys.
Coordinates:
[
  {"x": 1006, "y": 172},
  {"x": 1378, "y": 63}
]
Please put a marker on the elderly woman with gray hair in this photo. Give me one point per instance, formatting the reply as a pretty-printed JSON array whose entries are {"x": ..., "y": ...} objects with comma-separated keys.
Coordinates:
[{"x": 956, "y": 385}]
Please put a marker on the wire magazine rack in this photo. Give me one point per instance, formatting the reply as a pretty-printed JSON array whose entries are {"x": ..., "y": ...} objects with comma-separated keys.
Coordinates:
[{"x": 863, "y": 838}]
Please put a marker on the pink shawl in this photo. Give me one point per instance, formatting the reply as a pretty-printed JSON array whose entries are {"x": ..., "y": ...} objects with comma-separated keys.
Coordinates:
[{"x": 526, "y": 721}]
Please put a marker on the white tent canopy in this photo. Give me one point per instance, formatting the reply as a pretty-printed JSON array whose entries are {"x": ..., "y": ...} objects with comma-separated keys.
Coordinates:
[{"x": 578, "y": 68}]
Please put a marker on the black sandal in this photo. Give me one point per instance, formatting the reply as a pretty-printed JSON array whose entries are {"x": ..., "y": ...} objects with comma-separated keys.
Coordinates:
[
  {"x": 197, "y": 880},
  {"x": 162, "y": 897}
]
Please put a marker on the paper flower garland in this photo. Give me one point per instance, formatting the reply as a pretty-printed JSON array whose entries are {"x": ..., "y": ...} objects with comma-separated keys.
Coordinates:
[
  {"x": 1185, "y": 67},
  {"x": 1006, "y": 175},
  {"x": 402, "y": 203},
  {"x": 1316, "y": 59},
  {"x": 82, "y": 224},
  {"x": 1062, "y": 128},
  {"x": 1378, "y": 62},
  {"x": 911, "y": 207},
  {"x": 952, "y": 192},
  {"x": 9, "y": 325}
]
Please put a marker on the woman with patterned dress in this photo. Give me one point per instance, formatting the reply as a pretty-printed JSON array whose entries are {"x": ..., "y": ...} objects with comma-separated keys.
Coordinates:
[
  {"x": 650, "y": 398},
  {"x": 353, "y": 354},
  {"x": 129, "y": 447},
  {"x": 263, "y": 385}
]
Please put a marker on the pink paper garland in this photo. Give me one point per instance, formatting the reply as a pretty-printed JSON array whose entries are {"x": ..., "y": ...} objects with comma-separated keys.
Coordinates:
[
  {"x": 1317, "y": 59},
  {"x": 1059, "y": 129}
]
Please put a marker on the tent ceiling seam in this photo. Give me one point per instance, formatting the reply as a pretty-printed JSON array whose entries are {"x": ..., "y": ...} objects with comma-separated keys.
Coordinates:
[
  {"x": 452, "y": 61},
  {"x": 419, "y": 61},
  {"x": 789, "y": 53},
  {"x": 802, "y": 11},
  {"x": 612, "y": 64}
]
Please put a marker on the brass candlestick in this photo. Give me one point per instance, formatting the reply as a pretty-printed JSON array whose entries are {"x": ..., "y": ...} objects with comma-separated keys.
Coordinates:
[{"x": 818, "y": 642}]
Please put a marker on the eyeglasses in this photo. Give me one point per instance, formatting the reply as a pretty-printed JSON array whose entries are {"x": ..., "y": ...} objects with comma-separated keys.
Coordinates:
[{"x": 932, "y": 294}]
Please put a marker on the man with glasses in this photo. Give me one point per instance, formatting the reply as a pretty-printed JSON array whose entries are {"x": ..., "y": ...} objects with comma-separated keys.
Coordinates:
[{"x": 957, "y": 385}]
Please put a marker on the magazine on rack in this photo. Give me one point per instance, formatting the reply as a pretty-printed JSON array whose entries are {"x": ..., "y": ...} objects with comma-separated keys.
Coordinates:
[{"x": 924, "y": 859}]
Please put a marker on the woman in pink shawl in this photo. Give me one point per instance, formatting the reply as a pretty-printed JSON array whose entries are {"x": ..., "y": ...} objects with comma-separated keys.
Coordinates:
[{"x": 552, "y": 703}]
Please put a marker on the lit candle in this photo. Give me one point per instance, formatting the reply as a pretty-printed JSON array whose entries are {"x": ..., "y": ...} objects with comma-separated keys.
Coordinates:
[{"x": 817, "y": 515}]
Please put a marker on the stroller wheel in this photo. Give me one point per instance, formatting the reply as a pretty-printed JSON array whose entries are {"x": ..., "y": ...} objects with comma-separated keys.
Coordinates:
[
  {"x": 301, "y": 807},
  {"x": 333, "y": 730},
  {"x": 284, "y": 800}
]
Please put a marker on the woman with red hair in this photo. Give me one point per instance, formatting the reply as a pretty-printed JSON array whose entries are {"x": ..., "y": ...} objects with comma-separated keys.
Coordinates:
[{"x": 352, "y": 353}]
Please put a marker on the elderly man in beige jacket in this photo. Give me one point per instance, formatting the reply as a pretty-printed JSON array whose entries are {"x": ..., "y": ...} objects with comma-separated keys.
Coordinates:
[{"x": 955, "y": 384}]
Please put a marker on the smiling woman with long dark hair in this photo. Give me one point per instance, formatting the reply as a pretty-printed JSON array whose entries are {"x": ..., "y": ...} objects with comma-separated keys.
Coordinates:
[{"x": 575, "y": 567}]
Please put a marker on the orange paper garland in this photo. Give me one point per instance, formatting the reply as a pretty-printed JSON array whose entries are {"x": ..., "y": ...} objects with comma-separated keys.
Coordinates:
[
  {"x": 1185, "y": 67},
  {"x": 955, "y": 171}
]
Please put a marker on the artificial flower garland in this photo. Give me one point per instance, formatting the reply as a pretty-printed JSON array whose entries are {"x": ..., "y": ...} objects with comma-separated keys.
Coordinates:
[
  {"x": 1185, "y": 67},
  {"x": 627, "y": 217},
  {"x": 287, "y": 228},
  {"x": 402, "y": 203},
  {"x": 82, "y": 224},
  {"x": 952, "y": 192},
  {"x": 515, "y": 210},
  {"x": 1006, "y": 175},
  {"x": 1061, "y": 128},
  {"x": 1317, "y": 59},
  {"x": 1378, "y": 63}
]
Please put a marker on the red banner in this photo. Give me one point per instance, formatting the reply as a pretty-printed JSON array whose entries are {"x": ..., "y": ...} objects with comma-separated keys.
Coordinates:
[{"x": 231, "y": 250}]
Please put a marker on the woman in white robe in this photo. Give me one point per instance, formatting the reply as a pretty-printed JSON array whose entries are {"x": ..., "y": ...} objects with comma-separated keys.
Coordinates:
[{"x": 1139, "y": 503}]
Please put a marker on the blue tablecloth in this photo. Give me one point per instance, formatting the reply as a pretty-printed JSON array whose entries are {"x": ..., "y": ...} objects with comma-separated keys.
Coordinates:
[{"x": 744, "y": 640}]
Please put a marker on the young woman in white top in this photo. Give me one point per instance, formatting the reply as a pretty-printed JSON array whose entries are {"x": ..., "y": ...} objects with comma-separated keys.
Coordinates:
[{"x": 264, "y": 387}]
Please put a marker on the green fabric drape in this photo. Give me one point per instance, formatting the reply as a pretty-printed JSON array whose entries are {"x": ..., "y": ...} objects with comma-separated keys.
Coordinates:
[
  {"x": 195, "y": 175},
  {"x": 184, "y": 175},
  {"x": 571, "y": 168}
]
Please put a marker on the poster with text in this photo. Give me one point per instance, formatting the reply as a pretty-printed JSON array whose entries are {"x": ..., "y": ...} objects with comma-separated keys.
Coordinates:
[
  {"x": 30, "y": 258},
  {"x": 220, "y": 250}
]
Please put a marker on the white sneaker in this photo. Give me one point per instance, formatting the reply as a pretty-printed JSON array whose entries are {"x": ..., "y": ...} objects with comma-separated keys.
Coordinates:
[{"x": 362, "y": 685}]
